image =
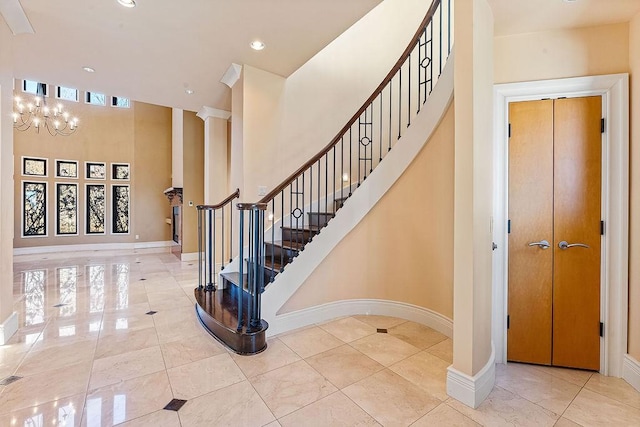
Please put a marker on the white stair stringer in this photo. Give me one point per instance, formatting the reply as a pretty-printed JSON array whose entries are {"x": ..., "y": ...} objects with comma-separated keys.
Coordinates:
[{"x": 358, "y": 206}]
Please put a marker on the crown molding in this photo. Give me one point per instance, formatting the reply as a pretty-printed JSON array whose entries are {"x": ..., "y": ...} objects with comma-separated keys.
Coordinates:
[{"x": 207, "y": 112}]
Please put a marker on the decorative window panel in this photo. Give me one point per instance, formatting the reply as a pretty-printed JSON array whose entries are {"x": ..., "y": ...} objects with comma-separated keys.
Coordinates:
[
  {"x": 33, "y": 166},
  {"x": 66, "y": 169},
  {"x": 96, "y": 170},
  {"x": 120, "y": 211},
  {"x": 120, "y": 171},
  {"x": 96, "y": 204},
  {"x": 67, "y": 209},
  {"x": 34, "y": 209}
]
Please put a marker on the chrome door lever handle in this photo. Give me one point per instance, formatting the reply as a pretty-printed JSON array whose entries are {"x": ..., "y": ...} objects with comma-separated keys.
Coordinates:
[
  {"x": 564, "y": 245},
  {"x": 543, "y": 244}
]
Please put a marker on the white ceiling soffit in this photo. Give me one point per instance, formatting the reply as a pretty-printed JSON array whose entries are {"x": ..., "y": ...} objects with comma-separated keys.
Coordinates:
[
  {"x": 527, "y": 16},
  {"x": 159, "y": 49},
  {"x": 15, "y": 17}
]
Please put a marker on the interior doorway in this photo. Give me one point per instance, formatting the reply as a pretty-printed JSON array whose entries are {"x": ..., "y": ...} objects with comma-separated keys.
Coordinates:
[
  {"x": 555, "y": 227},
  {"x": 614, "y": 90}
]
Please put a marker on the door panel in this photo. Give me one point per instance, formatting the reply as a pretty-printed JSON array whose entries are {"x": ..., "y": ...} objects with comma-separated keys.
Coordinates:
[
  {"x": 577, "y": 201},
  {"x": 531, "y": 214}
]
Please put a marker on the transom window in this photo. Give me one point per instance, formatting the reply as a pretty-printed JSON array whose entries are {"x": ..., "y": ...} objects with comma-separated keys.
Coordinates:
[
  {"x": 31, "y": 86},
  {"x": 95, "y": 98},
  {"x": 67, "y": 93},
  {"x": 118, "y": 101}
]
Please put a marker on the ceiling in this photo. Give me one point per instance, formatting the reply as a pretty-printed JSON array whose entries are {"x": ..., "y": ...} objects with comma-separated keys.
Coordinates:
[
  {"x": 528, "y": 16},
  {"x": 154, "y": 52},
  {"x": 157, "y": 50}
]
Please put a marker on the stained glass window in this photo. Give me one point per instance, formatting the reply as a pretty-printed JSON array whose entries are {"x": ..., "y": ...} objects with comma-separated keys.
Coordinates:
[
  {"x": 34, "y": 209},
  {"x": 120, "y": 171},
  {"x": 96, "y": 170},
  {"x": 67, "y": 205},
  {"x": 34, "y": 167},
  {"x": 66, "y": 169},
  {"x": 96, "y": 204},
  {"x": 120, "y": 202}
]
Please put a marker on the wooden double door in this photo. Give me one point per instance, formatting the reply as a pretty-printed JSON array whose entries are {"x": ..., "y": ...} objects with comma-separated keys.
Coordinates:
[{"x": 555, "y": 182}]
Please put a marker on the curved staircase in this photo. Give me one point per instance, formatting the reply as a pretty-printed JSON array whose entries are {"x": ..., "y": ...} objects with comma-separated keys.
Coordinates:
[{"x": 296, "y": 211}]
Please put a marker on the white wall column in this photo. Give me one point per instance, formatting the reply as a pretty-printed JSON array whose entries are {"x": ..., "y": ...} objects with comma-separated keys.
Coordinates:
[
  {"x": 471, "y": 377},
  {"x": 8, "y": 318},
  {"x": 177, "y": 149},
  {"x": 215, "y": 154}
]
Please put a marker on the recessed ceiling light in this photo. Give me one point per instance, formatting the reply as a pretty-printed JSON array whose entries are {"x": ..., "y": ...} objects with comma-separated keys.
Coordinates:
[
  {"x": 89, "y": 69},
  {"x": 257, "y": 45},
  {"x": 570, "y": 1},
  {"x": 188, "y": 91},
  {"x": 127, "y": 3}
]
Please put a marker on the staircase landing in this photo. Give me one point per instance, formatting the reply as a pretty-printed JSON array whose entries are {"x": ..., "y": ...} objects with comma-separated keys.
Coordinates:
[{"x": 218, "y": 313}]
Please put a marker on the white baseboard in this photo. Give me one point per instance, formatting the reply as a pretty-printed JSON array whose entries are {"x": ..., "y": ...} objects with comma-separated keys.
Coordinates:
[
  {"x": 92, "y": 247},
  {"x": 8, "y": 328},
  {"x": 321, "y": 313},
  {"x": 631, "y": 371},
  {"x": 472, "y": 391},
  {"x": 189, "y": 256}
]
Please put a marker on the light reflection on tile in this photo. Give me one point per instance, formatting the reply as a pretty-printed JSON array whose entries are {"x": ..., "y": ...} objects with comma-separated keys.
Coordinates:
[{"x": 104, "y": 313}]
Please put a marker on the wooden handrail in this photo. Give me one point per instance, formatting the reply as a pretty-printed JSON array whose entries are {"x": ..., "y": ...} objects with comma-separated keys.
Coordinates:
[
  {"x": 223, "y": 203},
  {"x": 429, "y": 16}
]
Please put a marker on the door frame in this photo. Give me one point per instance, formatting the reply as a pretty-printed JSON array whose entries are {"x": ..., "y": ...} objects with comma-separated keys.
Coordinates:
[{"x": 614, "y": 297}]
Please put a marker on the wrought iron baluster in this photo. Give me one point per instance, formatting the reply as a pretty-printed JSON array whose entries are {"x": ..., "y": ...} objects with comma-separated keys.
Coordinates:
[
  {"x": 400, "y": 102},
  {"x": 282, "y": 223},
  {"x": 440, "y": 52},
  {"x": 200, "y": 214},
  {"x": 273, "y": 238},
  {"x": 222, "y": 240},
  {"x": 380, "y": 136},
  {"x": 390, "y": 111},
  {"x": 409, "y": 95},
  {"x": 209, "y": 281},
  {"x": 241, "y": 272}
]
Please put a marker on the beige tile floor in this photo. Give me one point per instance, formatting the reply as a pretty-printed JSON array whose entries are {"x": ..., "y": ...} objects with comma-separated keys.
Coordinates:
[{"x": 99, "y": 360}]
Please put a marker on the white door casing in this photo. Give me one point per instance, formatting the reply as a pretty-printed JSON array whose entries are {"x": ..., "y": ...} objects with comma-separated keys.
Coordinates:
[{"x": 614, "y": 90}]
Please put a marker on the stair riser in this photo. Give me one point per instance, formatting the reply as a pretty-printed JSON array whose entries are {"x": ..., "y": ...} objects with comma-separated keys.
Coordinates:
[
  {"x": 278, "y": 252},
  {"x": 318, "y": 219},
  {"x": 293, "y": 235}
]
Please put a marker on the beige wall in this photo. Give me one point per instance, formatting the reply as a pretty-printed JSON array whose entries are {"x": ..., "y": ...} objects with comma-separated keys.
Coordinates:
[
  {"x": 412, "y": 225},
  {"x": 193, "y": 191},
  {"x": 319, "y": 98},
  {"x": 140, "y": 136},
  {"x": 562, "y": 53},
  {"x": 634, "y": 243},
  {"x": 152, "y": 172}
]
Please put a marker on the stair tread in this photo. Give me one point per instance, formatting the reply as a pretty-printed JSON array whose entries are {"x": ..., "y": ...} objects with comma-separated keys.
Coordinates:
[
  {"x": 287, "y": 244},
  {"x": 321, "y": 213},
  {"x": 309, "y": 228}
]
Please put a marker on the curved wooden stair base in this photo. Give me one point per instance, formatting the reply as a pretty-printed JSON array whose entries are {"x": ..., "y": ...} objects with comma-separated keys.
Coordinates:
[{"x": 217, "y": 311}]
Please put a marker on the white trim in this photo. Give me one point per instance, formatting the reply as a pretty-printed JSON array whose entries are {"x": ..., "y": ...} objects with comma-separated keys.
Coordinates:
[
  {"x": 615, "y": 92},
  {"x": 362, "y": 201},
  {"x": 210, "y": 112},
  {"x": 92, "y": 247},
  {"x": 232, "y": 75},
  {"x": 188, "y": 256},
  {"x": 332, "y": 310},
  {"x": 631, "y": 371},
  {"x": 472, "y": 391},
  {"x": 8, "y": 327}
]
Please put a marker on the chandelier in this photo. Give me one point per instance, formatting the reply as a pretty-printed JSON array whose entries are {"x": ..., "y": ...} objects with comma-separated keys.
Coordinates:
[{"x": 36, "y": 114}]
